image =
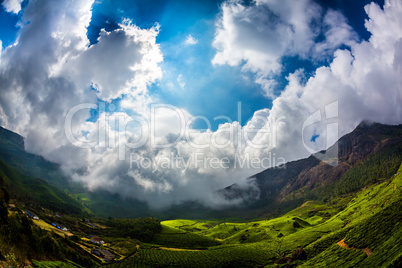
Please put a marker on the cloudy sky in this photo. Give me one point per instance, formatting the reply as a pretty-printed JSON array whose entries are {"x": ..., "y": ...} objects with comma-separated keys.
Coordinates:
[{"x": 169, "y": 100}]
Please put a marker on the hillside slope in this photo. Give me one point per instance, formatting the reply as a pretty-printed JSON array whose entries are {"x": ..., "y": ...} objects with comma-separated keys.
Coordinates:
[
  {"x": 364, "y": 231},
  {"x": 100, "y": 203},
  {"x": 366, "y": 155},
  {"x": 13, "y": 153},
  {"x": 36, "y": 192}
]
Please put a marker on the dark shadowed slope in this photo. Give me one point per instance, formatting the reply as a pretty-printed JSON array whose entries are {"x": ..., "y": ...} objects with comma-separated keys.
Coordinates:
[
  {"x": 13, "y": 153},
  {"x": 36, "y": 192},
  {"x": 101, "y": 203}
]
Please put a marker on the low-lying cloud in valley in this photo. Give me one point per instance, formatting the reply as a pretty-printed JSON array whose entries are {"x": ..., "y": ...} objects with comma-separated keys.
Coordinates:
[{"x": 51, "y": 68}]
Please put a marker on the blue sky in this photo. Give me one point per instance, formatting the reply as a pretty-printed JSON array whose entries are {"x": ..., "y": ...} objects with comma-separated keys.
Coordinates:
[
  {"x": 8, "y": 32},
  {"x": 205, "y": 86},
  {"x": 208, "y": 90}
]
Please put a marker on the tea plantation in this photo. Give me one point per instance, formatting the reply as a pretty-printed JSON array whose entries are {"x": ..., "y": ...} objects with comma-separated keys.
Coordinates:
[{"x": 364, "y": 230}]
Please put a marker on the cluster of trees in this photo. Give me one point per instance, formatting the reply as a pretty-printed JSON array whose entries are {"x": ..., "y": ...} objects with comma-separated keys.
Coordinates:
[
  {"x": 143, "y": 229},
  {"x": 185, "y": 240},
  {"x": 37, "y": 192},
  {"x": 31, "y": 242},
  {"x": 20, "y": 237},
  {"x": 376, "y": 169}
]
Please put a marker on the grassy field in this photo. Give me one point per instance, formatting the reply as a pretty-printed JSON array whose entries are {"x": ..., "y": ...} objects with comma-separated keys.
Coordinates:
[
  {"x": 368, "y": 222},
  {"x": 49, "y": 227},
  {"x": 360, "y": 230}
]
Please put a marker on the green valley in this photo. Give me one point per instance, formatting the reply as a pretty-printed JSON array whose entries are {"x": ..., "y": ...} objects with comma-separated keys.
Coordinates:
[
  {"x": 370, "y": 223},
  {"x": 200, "y": 133},
  {"x": 352, "y": 219}
]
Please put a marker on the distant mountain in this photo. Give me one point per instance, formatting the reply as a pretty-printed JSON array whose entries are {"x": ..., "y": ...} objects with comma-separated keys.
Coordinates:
[
  {"x": 13, "y": 153},
  {"x": 100, "y": 203},
  {"x": 31, "y": 178},
  {"x": 35, "y": 192},
  {"x": 367, "y": 155}
]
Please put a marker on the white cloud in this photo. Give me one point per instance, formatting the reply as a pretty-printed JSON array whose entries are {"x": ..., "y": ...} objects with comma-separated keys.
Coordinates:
[
  {"x": 149, "y": 184},
  {"x": 257, "y": 36},
  {"x": 366, "y": 83},
  {"x": 50, "y": 69},
  {"x": 337, "y": 32},
  {"x": 12, "y": 6},
  {"x": 190, "y": 40},
  {"x": 180, "y": 81},
  {"x": 123, "y": 61}
]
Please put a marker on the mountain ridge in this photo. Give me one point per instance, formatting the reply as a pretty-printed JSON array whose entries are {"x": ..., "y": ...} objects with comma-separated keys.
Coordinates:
[
  {"x": 279, "y": 189},
  {"x": 302, "y": 178}
]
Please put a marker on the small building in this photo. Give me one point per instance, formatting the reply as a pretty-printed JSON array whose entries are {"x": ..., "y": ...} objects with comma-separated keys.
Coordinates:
[
  {"x": 59, "y": 226},
  {"x": 32, "y": 215},
  {"x": 93, "y": 225},
  {"x": 103, "y": 253},
  {"x": 97, "y": 240}
]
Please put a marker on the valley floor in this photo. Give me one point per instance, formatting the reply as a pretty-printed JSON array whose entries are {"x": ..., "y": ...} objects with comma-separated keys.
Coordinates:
[{"x": 363, "y": 231}]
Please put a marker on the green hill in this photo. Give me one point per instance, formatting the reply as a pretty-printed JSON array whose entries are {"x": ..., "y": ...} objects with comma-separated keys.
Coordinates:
[
  {"x": 367, "y": 155},
  {"x": 100, "y": 203},
  {"x": 318, "y": 216},
  {"x": 360, "y": 231},
  {"x": 13, "y": 153},
  {"x": 37, "y": 192}
]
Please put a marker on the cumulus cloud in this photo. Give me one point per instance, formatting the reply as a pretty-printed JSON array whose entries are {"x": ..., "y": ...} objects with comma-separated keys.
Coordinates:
[
  {"x": 122, "y": 61},
  {"x": 364, "y": 82},
  {"x": 190, "y": 40},
  {"x": 180, "y": 81},
  {"x": 337, "y": 32},
  {"x": 153, "y": 152},
  {"x": 257, "y": 36},
  {"x": 12, "y": 6},
  {"x": 51, "y": 68}
]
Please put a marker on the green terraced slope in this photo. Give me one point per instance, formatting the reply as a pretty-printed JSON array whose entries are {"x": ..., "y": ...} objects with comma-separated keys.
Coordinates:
[{"x": 360, "y": 231}]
